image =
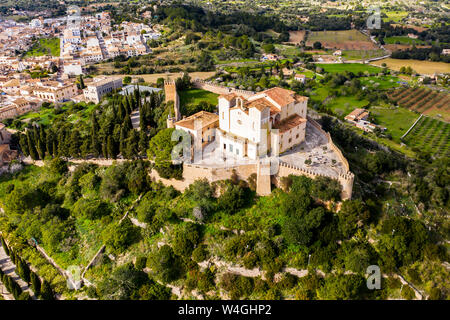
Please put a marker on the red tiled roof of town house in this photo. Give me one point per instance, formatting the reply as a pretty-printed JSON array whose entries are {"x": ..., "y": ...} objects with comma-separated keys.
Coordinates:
[{"x": 357, "y": 114}]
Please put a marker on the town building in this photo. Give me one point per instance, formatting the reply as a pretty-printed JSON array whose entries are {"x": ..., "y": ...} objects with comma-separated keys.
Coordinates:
[
  {"x": 54, "y": 91},
  {"x": 359, "y": 117},
  {"x": 100, "y": 87},
  {"x": 300, "y": 77}
]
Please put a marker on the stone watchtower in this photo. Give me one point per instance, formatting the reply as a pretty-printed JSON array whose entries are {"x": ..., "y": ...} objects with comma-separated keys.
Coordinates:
[{"x": 170, "y": 91}]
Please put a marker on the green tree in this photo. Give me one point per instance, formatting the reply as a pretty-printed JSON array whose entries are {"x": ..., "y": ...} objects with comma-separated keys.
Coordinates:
[
  {"x": 186, "y": 239},
  {"x": 342, "y": 287},
  {"x": 47, "y": 291},
  {"x": 165, "y": 264},
  {"x": 353, "y": 215},
  {"x": 35, "y": 284}
]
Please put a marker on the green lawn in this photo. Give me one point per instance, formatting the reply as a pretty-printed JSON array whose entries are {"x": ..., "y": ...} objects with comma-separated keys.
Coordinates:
[
  {"x": 195, "y": 96},
  {"x": 352, "y": 67},
  {"x": 44, "y": 47},
  {"x": 397, "y": 121}
]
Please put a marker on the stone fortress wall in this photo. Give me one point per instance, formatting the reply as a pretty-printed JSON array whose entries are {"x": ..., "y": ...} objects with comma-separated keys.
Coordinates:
[{"x": 219, "y": 89}]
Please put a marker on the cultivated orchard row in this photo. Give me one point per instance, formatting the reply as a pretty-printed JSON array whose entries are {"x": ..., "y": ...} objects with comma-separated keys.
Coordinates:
[
  {"x": 430, "y": 135},
  {"x": 422, "y": 100}
]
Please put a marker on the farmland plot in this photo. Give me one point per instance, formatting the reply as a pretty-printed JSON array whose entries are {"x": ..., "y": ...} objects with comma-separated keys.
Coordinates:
[
  {"x": 430, "y": 135},
  {"x": 423, "y": 100},
  {"x": 344, "y": 40}
]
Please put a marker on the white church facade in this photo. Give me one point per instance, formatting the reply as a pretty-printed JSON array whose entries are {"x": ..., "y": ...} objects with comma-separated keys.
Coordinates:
[{"x": 269, "y": 122}]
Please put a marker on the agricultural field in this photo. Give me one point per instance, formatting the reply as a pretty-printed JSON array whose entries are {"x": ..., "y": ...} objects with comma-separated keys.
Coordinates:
[
  {"x": 395, "y": 16},
  {"x": 430, "y": 135},
  {"x": 297, "y": 36},
  {"x": 44, "y": 47},
  {"x": 287, "y": 51},
  {"x": 396, "y": 120},
  {"x": 352, "y": 67},
  {"x": 423, "y": 100},
  {"x": 410, "y": 26},
  {"x": 419, "y": 66},
  {"x": 344, "y": 40},
  {"x": 341, "y": 105},
  {"x": 403, "y": 40},
  {"x": 362, "y": 54},
  {"x": 403, "y": 47},
  {"x": 383, "y": 82}
]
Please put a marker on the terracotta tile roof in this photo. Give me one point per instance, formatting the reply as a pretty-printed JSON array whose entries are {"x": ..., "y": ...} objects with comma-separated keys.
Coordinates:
[
  {"x": 281, "y": 96},
  {"x": 289, "y": 123},
  {"x": 228, "y": 96},
  {"x": 259, "y": 104},
  {"x": 357, "y": 114},
  {"x": 206, "y": 118},
  {"x": 12, "y": 83},
  {"x": 6, "y": 154}
]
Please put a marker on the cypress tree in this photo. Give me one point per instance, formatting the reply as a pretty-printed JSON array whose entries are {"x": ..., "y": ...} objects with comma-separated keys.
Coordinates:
[
  {"x": 74, "y": 146},
  {"x": 95, "y": 143},
  {"x": 24, "y": 296},
  {"x": 127, "y": 124},
  {"x": 49, "y": 142},
  {"x": 31, "y": 148},
  {"x": 142, "y": 120},
  {"x": 123, "y": 140},
  {"x": 121, "y": 112},
  {"x": 35, "y": 284},
  {"x": 105, "y": 150},
  {"x": 111, "y": 148},
  {"x": 46, "y": 291},
  {"x": 143, "y": 142},
  {"x": 23, "y": 270},
  {"x": 82, "y": 85},
  {"x": 23, "y": 142},
  {"x": 41, "y": 149}
]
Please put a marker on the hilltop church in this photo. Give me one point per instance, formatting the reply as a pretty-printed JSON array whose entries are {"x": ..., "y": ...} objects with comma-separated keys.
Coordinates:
[
  {"x": 271, "y": 121},
  {"x": 245, "y": 124}
]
